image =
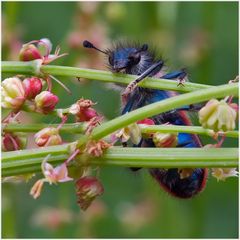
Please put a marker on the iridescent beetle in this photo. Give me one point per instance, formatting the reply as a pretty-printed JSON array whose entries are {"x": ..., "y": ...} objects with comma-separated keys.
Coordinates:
[{"x": 138, "y": 60}]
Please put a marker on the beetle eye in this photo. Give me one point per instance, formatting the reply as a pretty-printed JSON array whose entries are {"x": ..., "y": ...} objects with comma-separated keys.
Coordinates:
[{"x": 134, "y": 59}]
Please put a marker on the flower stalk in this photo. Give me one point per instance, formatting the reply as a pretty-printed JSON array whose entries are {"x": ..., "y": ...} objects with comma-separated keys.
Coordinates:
[
  {"x": 28, "y": 161},
  {"x": 77, "y": 128},
  {"x": 33, "y": 68}
]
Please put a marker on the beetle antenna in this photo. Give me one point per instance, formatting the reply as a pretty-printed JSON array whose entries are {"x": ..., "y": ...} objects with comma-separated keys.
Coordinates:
[{"x": 88, "y": 44}]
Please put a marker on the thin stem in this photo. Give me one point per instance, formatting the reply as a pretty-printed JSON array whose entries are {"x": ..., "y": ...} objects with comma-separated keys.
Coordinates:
[
  {"x": 35, "y": 127},
  {"x": 164, "y": 106},
  {"x": 81, "y": 128},
  {"x": 31, "y": 68},
  {"x": 185, "y": 129},
  {"x": 28, "y": 161}
]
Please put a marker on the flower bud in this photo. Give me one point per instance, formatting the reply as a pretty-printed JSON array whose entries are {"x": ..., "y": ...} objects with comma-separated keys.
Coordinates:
[
  {"x": 46, "y": 102},
  {"x": 29, "y": 52},
  {"x": 86, "y": 114},
  {"x": 223, "y": 173},
  {"x": 48, "y": 137},
  {"x": 83, "y": 111},
  {"x": 13, "y": 93},
  {"x": 218, "y": 115},
  {"x": 13, "y": 142},
  {"x": 147, "y": 121},
  {"x": 33, "y": 86},
  {"x": 87, "y": 189},
  {"x": 132, "y": 132},
  {"x": 163, "y": 140}
]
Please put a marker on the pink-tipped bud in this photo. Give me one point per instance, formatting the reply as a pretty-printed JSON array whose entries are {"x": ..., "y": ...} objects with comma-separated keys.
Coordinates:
[
  {"x": 87, "y": 189},
  {"x": 86, "y": 114},
  {"x": 13, "y": 93},
  {"x": 33, "y": 86},
  {"x": 163, "y": 140},
  {"x": 13, "y": 142},
  {"x": 83, "y": 110},
  {"x": 48, "y": 137},
  {"x": 46, "y": 102},
  {"x": 146, "y": 121},
  {"x": 29, "y": 52}
]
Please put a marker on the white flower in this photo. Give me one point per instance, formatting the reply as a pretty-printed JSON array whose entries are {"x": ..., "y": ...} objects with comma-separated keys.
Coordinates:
[
  {"x": 13, "y": 93},
  {"x": 223, "y": 173}
]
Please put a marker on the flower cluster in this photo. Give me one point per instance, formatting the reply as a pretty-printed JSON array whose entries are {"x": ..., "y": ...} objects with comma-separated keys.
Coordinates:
[{"x": 218, "y": 115}]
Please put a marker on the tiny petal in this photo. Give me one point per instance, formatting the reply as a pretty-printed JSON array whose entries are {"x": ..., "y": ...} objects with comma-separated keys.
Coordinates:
[
  {"x": 55, "y": 175},
  {"x": 44, "y": 46},
  {"x": 74, "y": 109},
  {"x": 37, "y": 189},
  {"x": 61, "y": 172}
]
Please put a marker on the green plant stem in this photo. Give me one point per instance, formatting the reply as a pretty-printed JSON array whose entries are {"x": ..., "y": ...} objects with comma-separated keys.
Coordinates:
[
  {"x": 164, "y": 106},
  {"x": 32, "y": 68},
  {"x": 185, "y": 129},
  {"x": 35, "y": 127},
  {"x": 75, "y": 128},
  {"x": 29, "y": 161}
]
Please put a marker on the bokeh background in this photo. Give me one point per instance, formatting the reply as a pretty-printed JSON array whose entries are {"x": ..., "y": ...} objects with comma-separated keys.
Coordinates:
[{"x": 198, "y": 35}]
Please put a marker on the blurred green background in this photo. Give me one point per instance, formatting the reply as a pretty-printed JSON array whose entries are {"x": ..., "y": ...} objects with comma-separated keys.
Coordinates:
[{"x": 198, "y": 35}]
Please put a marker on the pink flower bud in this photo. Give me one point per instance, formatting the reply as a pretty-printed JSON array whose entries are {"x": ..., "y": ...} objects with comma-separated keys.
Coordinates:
[
  {"x": 13, "y": 93},
  {"x": 162, "y": 140},
  {"x": 146, "y": 121},
  {"x": 86, "y": 114},
  {"x": 33, "y": 87},
  {"x": 87, "y": 189},
  {"x": 48, "y": 137},
  {"x": 46, "y": 102},
  {"x": 29, "y": 52},
  {"x": 83, "y": 111},
  {"x": 13, "y": 142}
]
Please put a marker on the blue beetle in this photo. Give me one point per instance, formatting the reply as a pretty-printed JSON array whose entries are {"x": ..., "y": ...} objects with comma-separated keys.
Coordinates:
[{"x": 138, "y": 60}]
